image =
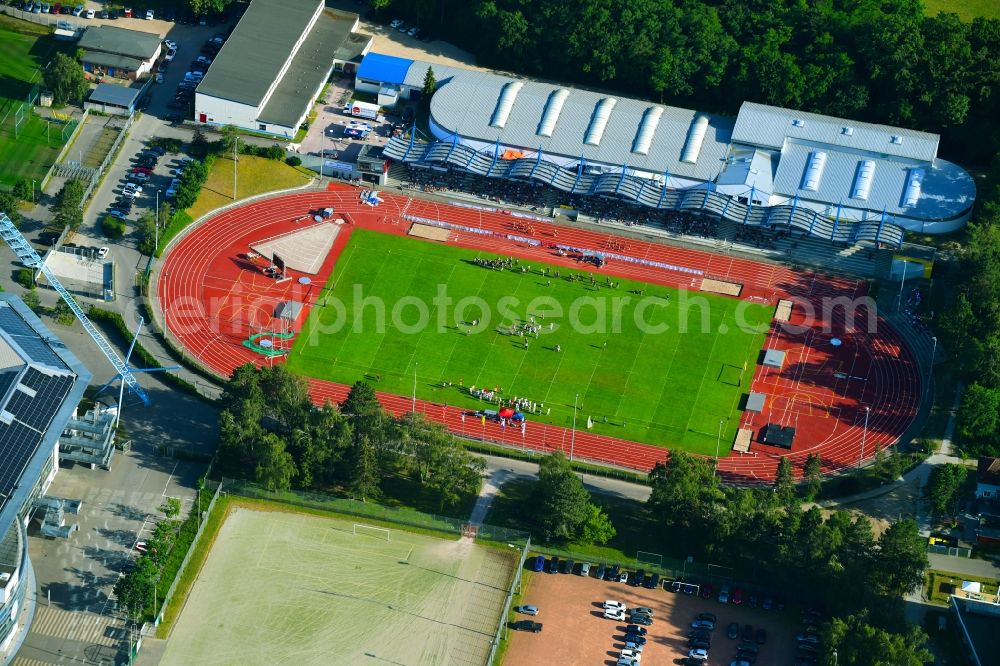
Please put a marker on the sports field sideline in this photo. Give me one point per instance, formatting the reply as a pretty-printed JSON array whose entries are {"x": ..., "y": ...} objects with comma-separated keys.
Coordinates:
[
  {"x": 281, "y": 587},
  {"x": 649, "y": 364}
]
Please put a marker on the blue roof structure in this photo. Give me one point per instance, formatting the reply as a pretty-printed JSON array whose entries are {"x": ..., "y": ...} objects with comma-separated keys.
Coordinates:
[{"x": 384, "y": 68}]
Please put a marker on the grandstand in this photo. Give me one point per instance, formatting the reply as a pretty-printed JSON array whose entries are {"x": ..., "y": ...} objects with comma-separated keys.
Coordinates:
[
  {"x": 782, "y": 172},
  {"x": 41, "y": 383}
]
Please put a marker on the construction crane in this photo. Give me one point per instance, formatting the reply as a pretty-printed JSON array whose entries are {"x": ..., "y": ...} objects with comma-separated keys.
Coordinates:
[{"x": 27, "y": 255}]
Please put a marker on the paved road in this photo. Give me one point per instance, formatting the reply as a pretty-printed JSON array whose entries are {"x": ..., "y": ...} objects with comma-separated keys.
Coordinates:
[{"x": 964, "y": 565}]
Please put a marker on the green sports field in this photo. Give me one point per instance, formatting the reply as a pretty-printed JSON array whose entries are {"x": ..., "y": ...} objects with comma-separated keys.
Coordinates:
[
  {"x": 281, "y": 587},
  {"x": 670, "y": 371},
  {"x": 24, "y": 49}
]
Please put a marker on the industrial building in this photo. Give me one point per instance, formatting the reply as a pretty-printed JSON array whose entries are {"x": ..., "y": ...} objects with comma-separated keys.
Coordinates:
[
  {"x": 118, "y": 52},
  {"x": 274, "y": 65}
]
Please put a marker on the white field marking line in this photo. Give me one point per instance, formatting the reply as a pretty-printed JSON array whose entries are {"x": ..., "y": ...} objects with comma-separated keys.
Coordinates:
[
  {"x": 455, "y": 346},
  {"x": 635, "y": 359},
  {"x": 169, "y": 478},
  {"x": 416, "y": 347},
  {"x": 263, "y": 549},
  {"x": 342, "y": 263},
  {"x": 701, "y": 384}
]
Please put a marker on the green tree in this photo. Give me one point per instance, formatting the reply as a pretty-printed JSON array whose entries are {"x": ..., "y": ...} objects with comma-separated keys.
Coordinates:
[
  {"x": 979, "y": 417},
  {"x": 64, "y": 77},
  {"x": 901, "y": 559},
  {"x": 275, "y": 467},
  {"x": 171, "y": 508},
  {"x": 200, "y": 144},
  {"x": 229, "y": 140},
  {"x": 430, "y": 85},
  {"x": 25, "y": 277},
  {"x": 597, "y": 527},
  {"x": 112, "y": 227},
  {"x": 365, "y": 412},
  {"x": 134, "y": 589},
  {"x": 562, "y": 499},
  {"x": 813, "y": 476},
  {"x": 9, "y": 206},
  {"x": 31, "y": 299},
  {"x": 684, "y": 490},
  {"x": 943, "y": 489},
  {"x": 24, "y": 190},
  {"x": 365, "y": 474},
  {"x": 855, "y": 641},
  {"x": 784, "y": 483},
  {"x": 68, "y": 206},
  {"x": 145, "y": 228},
  {"x": 62, "y": 314}
]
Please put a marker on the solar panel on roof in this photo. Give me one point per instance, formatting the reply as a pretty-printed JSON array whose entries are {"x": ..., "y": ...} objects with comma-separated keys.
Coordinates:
[
  {"x": 18, "y": 443},
  {"x": 6, "y": 380},
  {"x": 37, "y": 411}
]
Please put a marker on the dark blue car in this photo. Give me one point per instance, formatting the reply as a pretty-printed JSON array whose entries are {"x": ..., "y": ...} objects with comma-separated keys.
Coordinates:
[{"x": 539, "y": 563}]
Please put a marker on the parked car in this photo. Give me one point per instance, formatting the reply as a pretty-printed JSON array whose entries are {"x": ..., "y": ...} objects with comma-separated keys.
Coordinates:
[
  {"x": 703, "y": 624},
  {"x": 170, "y": 44},
  {"x": 527, "y": 625},
  {"x": 747, "y": 634},
  {"x": 699, "y": 654},
  {"x": 585, "y": 569},
  {"x": 641, "y": 619},
  {"x": 708, "y": 616},
  {"x": 150, "y": 15},
  {"x": 635, "y": 629},
  {"x": 171, "y": 54},
  {"x": 395, "y": 23},
  {"x": 413, "y": 32},
  {"x": 623, "y": 577},
  {"x": 724, "y": 594},
  {"x": 118, "y": 212},
  {"x": 699, "y": 643},
  {"x": 159, "y": 151},
  {"x": 733, "y": 630},
  {"x": 612, "y": 604},
  {"x": 637, "y": 580},
  {"x": 808, "y": 638},
  {"x": 611, "y": 573},
  {"x": 527, "y": 609},
  {"x": 643, "y": 610},
  {"x": 566, "y": 566},
  {"x": 139, "y": 177},
  {"x": 760, "y": 637},
  {"x": 103, "y": 252},
  {"x": 539, "y": 561},
  {"x": 654, "y": 581},
  {"x": 700, "y": 633},
  {"x": 144, "y": 170},
  {"x": 91, "y": 13},
  {"x": 599, "y": 574},
  {"x": 553, "y": 565},
  {"x": 616, "y": 614},
  {"x": 635, "y": 639}
]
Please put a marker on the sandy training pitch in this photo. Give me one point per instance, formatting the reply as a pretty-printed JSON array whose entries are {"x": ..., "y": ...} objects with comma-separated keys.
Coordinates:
[{"x": 289, "y": 588}]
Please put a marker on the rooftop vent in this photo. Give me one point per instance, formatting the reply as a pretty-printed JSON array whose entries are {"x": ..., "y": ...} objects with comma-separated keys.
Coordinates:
[
  {"x": 814, "y": 171},
  {"x": 602, "y": 112},
  {"x": 798, "y": 122},
  {"x": 847, "y": 131},
  {"x": 863, "y": 179},
  {"x": 504, "y": 104},
  {"x": 896, "y": 139}
]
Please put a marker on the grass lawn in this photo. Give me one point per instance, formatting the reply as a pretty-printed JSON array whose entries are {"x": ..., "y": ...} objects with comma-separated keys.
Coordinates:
[
  {"x": 966, "y": 9},
  {"x": 941, "y": 584},
  {"x": 24, "y": 48},
  {"x": 662, "y": 387},
  {"x": 256, "y": 175},
  {"x": 335, "y": 596}
]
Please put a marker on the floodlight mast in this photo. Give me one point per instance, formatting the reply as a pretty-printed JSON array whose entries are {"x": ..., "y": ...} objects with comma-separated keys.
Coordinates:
[{"x": 27, "y": 255}]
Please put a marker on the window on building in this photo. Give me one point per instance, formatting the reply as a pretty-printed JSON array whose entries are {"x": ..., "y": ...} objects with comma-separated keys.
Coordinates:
[{"x": 262, "y": 127}]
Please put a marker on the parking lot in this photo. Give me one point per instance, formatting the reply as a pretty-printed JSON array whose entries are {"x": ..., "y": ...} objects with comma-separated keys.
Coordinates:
[{"x": 575, "y": 630}]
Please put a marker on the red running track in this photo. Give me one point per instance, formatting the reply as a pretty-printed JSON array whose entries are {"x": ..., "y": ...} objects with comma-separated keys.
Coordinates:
[{"x": 212, "y": 298}]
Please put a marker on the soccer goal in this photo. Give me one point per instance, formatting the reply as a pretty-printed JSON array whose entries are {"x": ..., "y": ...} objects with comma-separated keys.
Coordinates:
[{"x": 377, "y": 532}]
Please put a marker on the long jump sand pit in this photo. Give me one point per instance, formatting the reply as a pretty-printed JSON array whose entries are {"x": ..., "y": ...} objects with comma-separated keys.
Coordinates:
[{"x": 290, "y": 588}]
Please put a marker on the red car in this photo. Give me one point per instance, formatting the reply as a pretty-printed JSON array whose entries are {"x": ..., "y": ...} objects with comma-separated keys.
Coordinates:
[
  {"x": 738, "y": 596},
  {"x": 148, "y": 172},
  {"x": 706, "y": 591},
  {"x": 128, "y": 13}
]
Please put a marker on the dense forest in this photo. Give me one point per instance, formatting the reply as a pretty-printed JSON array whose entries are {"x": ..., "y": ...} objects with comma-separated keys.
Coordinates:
[{"x": 875, "y": 60}]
